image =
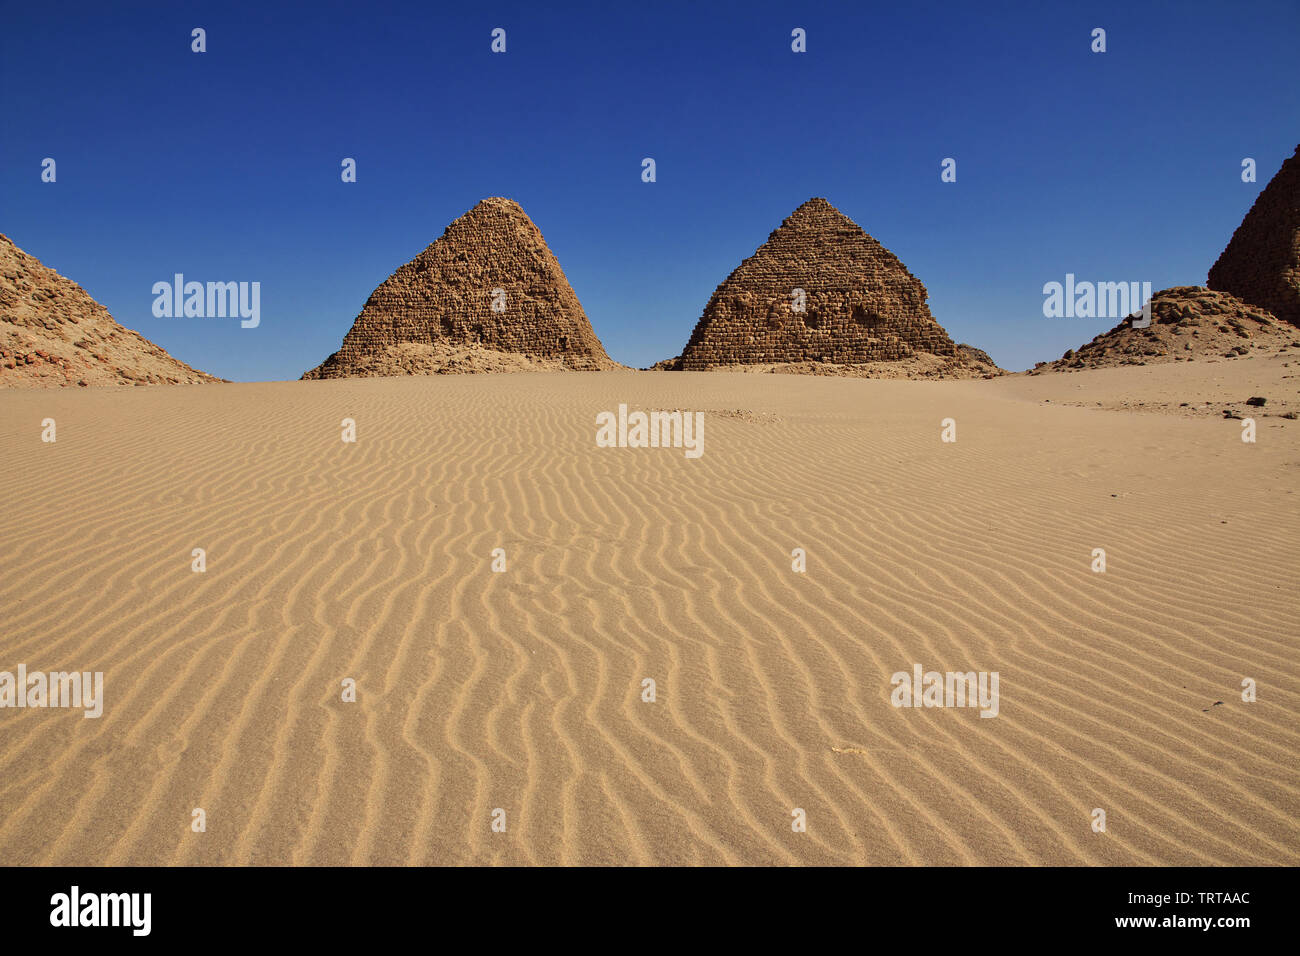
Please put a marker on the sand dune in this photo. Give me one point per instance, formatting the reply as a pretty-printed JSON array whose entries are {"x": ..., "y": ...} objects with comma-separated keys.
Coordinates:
[{"x": 522, "y": 690}]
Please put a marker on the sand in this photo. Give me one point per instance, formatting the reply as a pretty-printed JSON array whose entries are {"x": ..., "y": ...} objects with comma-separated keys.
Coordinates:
[{"x": 522, "y": 690}]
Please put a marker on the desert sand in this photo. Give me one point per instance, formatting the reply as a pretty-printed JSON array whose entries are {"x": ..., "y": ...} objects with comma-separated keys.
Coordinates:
[{"x": 522, "y": 690}]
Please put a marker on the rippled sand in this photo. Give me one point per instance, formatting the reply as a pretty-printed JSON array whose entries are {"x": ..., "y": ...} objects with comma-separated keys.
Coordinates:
[{"x": 522, "y": 690}]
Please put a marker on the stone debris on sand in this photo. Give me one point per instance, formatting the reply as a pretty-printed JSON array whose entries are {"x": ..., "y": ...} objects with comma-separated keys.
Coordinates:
[{"x": 1187, "y": 323}]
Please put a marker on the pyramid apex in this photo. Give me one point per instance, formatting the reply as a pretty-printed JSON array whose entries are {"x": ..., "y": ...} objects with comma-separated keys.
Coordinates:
[
  {"x": 497, "y": 202},
  {"x": 816, "y": 209},
  {"x": 815, "y": 204}
]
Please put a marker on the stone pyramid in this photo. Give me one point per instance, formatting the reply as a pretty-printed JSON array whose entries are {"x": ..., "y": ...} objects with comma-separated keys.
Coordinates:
[
  {"x": 435, "y": 314},
  {"x": 1262, "y": 262},
  {"x": 52, "y": 333},
  {"x": 861, "y": 305}
]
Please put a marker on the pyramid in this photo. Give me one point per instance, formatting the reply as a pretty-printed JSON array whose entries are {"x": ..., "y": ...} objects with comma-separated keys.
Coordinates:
[
  {"x": 435, "y": 314},
  {"x": 1261, "y": 264},
  {"x": 861, "y": 305},
  {"x": 52, "y": 333}
]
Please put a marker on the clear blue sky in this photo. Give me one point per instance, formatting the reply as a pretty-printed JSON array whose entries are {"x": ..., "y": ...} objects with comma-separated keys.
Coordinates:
[{"x": 1122, "y": 166}]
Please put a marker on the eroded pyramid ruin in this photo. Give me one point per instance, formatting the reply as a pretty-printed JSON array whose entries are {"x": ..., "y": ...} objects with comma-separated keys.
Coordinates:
[
  {"x": 487, "y": 295},
  {"x": 859, "y": 304},
  {"x": 1261, "y": 264},
  {"x": 52, "y": 333},
  {"x": 1188, "y": 323}
]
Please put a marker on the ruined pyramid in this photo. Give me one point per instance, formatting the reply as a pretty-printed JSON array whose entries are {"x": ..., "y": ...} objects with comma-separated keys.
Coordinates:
[
  {"x": 1261, "y": 264},
  {"x": 859, "y": 303},
  {"x": 52, "y": 333},
  {"x": 1188, "y": 323},
  {"x": 487, "y": 295}
]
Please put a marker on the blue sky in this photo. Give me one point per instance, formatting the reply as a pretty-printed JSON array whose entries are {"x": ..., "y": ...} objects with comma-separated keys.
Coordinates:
[{"x": 1122, "y": 166}]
